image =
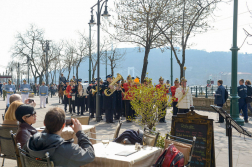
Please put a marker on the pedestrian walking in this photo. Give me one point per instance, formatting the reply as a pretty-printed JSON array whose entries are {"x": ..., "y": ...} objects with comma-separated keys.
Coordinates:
[
  {"x": 242, "y": 93},
  {"x": 249, "y": 94},
  {"x": 219, "y": 98}
]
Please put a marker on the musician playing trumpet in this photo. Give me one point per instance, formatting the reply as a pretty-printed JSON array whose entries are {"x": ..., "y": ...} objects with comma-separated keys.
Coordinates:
[{"x": 109, "y": 100}]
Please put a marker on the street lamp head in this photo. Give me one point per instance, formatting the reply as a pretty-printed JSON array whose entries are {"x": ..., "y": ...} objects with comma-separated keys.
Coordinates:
[
  {"x": 106, "y": 14},
  {"x": 92, "y": 22}
]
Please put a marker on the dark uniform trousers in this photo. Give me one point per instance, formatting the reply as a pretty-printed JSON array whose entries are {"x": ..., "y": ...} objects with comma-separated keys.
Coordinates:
[
  {"x": 80, "y": 104},
  {"x": 109, "y": 106},
  {"x": 244, "y": 107},
  {"x": 65, "y": 102},
  {"x": 164, "y": 112},
  {"x": 85, "y": 108},
  {"x": 118, "y": 108},
  {"x": 175, "y": 108},
  {"x": 91, "y": 105},
  {"x": 129, "y": 113},
  {"x": 71, "y": 105},
  {"x": 221, "y": 118}
]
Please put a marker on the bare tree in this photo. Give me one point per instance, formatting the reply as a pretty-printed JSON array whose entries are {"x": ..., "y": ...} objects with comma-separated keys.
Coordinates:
[
  {"x": 69, "y": 58},
  {"x": 248, "y": 35},
  {"x": 29, "y": 48},
  {"x": 81, "y": 50},
  {"x": 191, "y": 18},
  {"x": 114, "y": 56},
  {"x": 25, "y": 48},
  {"x": 136, "y": 23}
]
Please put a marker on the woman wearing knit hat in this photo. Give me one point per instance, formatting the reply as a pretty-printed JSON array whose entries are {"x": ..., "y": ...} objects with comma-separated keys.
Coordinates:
[{"x": 26, "y": 116}]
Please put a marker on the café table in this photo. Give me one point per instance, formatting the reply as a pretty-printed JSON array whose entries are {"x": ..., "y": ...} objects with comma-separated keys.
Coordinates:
[
  {"x": 68, "y": 133},
  {"x": 106, "y": 157}
]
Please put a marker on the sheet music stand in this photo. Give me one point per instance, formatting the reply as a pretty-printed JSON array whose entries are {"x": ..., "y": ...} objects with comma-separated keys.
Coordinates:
[{"x": 229, "y": 124}]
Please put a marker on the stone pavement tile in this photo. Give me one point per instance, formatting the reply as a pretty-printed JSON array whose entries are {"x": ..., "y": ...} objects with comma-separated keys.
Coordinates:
[{"x": 222, "y": 159}]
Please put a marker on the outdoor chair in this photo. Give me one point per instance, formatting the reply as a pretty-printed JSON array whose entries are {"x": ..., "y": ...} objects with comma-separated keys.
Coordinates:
[
  {"x": 28, "y": 160},
  {"x": 84, "y": 120},
  {"x": 118, "y": 127},
  {"x": 183, "y": 145},
  {"x": 7, "y": 151},
  {"x": 117, "y": 130},
  {"x": 14, "y": 141},
  {"x": 150, "y": 137}
]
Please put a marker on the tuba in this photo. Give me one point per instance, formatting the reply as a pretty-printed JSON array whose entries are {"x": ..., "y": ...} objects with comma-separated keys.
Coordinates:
[{"x": 113, "y": 83}]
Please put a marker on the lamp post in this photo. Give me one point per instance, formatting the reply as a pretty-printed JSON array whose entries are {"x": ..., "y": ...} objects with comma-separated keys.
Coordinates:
[
  {"x": 105, "y": 15},
  {"x": 234, "y": 109},
  {"x": 46, "y": 51},
  {"x": 106, "y": 63},
  {"x": 171, "y": 62},
  {"x": 91, "y": 24},
  {"x": 28, "y": 61}
]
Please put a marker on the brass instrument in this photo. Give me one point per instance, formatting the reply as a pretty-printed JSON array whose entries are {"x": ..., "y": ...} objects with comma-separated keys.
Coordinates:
[
  {"x": 95, "y": 91},
  {"x": 113, "y": 83}
]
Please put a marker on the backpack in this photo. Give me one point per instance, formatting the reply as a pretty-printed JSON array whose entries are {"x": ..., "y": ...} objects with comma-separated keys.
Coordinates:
[
  {"x": 226, "y": 95},
  {"x": 171, "y": 157}
]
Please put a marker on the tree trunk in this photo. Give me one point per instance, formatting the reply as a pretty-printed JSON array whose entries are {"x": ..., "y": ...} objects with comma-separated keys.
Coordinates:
[
  {"x": 69, "y": 71},
  {"x": 77, "y": 72},
  {"x": 40, "y": 79},
  {"x": 112, "y": 69},
  {"x": 181, "y": 70},
  {"x": 145, "y": 63}
]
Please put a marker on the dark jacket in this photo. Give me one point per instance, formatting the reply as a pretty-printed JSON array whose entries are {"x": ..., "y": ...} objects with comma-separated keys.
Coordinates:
[
  {"x": 62, "y": 153},
  {"x": 242, "y": 91},
  {"x": 25, "y": 131},
  {"x": 249, "y": 90},
  {"x": 109, "y": 102},
  {"x": 219, "y": 95}
]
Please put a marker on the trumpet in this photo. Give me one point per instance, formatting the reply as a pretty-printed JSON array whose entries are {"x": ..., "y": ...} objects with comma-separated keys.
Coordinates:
[{"x": 109, "y": 92}]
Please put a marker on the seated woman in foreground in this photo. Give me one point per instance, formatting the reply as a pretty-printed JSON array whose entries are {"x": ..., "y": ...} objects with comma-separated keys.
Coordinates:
[
  {"x": 26, "y": 116},
  {"x": 10, "y": 118}
]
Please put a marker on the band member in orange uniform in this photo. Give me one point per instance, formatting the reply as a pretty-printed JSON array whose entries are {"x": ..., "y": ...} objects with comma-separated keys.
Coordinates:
[
  {"x": 174, "y": 99},
  {"x": 127, "y": 97},
  {"x": 161, "y": 85},
  {"x": 71, "y": 90}
]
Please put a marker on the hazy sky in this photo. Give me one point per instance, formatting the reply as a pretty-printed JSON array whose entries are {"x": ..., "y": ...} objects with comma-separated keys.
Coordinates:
[{"x": 61, "y": 19}]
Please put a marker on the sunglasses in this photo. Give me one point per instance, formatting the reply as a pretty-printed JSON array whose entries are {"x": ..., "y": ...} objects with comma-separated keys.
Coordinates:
[{"x": 29, "y": 115}]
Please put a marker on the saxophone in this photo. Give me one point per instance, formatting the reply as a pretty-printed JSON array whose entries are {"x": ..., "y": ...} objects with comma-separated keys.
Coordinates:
[{"x": 113, "y": 83}]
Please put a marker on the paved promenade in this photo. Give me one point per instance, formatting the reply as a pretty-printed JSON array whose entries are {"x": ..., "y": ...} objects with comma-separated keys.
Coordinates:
[{"x": 242, "y": 150}]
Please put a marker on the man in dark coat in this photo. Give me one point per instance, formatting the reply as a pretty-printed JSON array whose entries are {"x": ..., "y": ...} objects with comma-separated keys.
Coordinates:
[
  {"x": 62, "y": 78},
  {"x": 90, "y": 100},
  {"x": 242, "y": 93},
  {"x": 220, "y": 98},
  {"x": 249, "y": 94},
  {"x": 62, "y": 153},
  {"x": 109, "y": 100}
]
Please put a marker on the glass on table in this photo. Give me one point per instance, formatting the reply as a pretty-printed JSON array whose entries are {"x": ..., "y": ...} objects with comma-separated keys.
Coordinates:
[{"x": 105, "y": 142}]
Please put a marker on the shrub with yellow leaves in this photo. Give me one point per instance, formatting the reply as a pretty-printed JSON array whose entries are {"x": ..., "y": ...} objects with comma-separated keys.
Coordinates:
[{"x": 149, "y": 103}]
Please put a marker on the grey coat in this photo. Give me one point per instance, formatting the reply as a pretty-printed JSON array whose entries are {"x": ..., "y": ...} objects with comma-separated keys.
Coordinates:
[{"x": 62, "y": 153}]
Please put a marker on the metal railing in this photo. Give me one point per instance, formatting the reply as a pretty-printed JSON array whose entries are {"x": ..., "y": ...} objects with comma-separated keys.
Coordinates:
[{"x": 205, "y": 91}]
